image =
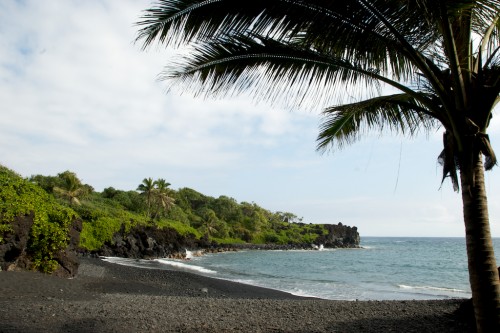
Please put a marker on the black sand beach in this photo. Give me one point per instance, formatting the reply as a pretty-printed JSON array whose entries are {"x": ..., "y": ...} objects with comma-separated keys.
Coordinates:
[{"x": 107, "y": 297}]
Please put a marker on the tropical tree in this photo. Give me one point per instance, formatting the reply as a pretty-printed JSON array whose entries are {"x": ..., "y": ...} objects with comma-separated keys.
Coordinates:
[
  {"x": 440, "y": 57},
  {"x": 227, "y": 209},
  {"x": 147, "y": 188},
  {"x": 47, "y": 182},
  {"x": 210, "y": 222},
  {"x": 71, "y": 188},
  {"x": 289, "y": 217},
  {"x": 212, "y": 226},
  {"x": 164, "y": 202}
]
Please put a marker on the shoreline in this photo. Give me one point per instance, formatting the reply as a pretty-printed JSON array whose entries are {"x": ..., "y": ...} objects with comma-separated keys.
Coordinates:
[
  {"x": 174, "y": 282},
  {"x": 224, "y": 287},
  {"x": 108, "y": 297},
  {"x": 179, "y": 265}
]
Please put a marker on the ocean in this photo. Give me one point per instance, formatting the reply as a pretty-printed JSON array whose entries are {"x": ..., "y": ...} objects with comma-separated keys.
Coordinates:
[{"x": 385, "y": 268}]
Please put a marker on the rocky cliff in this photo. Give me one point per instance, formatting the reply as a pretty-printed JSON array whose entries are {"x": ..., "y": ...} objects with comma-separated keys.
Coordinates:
[
  {"x": 151, "y": 242},
  {"x": 340, "y": 235}
]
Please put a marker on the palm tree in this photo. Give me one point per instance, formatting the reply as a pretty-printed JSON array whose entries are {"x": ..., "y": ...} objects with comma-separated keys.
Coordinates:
[
  {"x": 162, "y": 196},
  {"x": 210, "y": 222},
  {"x": 441, "y": 57},
  {"x": 147, "y": 188},
  {"x": 71, "y": 188}
]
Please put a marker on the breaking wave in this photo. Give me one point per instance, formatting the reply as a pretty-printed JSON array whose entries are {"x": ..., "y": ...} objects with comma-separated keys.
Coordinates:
[
  {"x": 183, "y": 266},
  {"x": 452, "y": 290}
]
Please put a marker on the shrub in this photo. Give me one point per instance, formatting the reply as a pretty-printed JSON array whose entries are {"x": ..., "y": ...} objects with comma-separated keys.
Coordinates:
[
  {"x": 50, "y": 231},
  {"x": 180, "y": 227},
  {"x": 272, "y": 237},
  {"x": 95, "y": 233},
  {"x": 228, "y": 241}
]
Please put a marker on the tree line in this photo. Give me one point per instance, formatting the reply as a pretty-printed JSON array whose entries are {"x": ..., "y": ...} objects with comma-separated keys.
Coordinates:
[{"x": 153, "y": 202}]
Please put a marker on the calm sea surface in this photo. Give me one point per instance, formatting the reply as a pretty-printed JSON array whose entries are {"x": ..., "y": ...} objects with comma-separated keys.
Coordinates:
[{"x": 384, "y": 269}]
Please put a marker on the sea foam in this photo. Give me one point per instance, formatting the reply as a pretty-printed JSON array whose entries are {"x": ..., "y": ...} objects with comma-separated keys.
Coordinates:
[
  {"x": 402, "y": 286},
  {"x": 140, "y": 263},
  {"x": 184, "y": 266}
]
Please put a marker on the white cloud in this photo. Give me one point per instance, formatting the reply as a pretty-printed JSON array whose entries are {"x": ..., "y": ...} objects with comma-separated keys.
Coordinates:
[{"x": 79, "y": 94}]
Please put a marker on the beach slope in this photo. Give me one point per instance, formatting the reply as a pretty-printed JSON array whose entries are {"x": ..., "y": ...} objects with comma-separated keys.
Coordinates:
[{"x": 107, "y": 297}]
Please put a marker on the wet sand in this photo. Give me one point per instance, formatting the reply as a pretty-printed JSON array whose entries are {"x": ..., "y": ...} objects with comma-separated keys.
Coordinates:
[{"x": 107, "y": 297}]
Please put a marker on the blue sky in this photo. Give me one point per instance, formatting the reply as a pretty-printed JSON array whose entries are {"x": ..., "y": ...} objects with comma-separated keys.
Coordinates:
[{"x": 78, "y": 95}]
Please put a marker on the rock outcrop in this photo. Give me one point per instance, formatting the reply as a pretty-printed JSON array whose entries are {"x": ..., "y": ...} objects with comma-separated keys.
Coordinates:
[
  {"x": 340, "y": 236},
  {"x": 150, "y": 242},
  {"x": 14, "y": 252},
  {"x": 14, "y": 245},
  {"x": 68, "y": 258}
]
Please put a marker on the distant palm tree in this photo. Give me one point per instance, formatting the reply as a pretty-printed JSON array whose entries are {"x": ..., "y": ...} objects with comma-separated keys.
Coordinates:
[
  {"x": 441, "y": 56},
  {"x": 71, "y": 189},
  {"x": 162, "y": 185},
  {"x": 210, "y": 222},
  {"x": 162, "y": 196},
  {"x": 147, "y": 188}
]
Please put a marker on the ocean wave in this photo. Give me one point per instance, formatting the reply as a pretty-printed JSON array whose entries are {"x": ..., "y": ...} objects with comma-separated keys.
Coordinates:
[
  {"x": 302, "y": 293},
  {"x": 245, "y": 281},
  {"x": 453, "y": 290},
  {"x": 184, "y": 266},
  {"x": 139, "y": 263},
  {"x": 283, "y": 288}
]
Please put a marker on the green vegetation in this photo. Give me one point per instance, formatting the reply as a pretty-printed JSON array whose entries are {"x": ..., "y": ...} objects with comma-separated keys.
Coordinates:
[
  {"x": 221, "y": 219},
  {"x": 157, "y": 194},
  {"x": 55, "y": 200},
  {"x": 72, "y": 188},
  {"x": 51, "y": 219}
]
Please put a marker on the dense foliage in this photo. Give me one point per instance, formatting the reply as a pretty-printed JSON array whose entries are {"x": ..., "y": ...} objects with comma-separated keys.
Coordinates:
[
  {"x": 222, "y": 220},
  {"x": 51, "y": 223}
]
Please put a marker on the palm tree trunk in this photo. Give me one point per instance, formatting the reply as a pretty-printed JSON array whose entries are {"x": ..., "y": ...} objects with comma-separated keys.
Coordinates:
[{"x": 483, "y": 271}]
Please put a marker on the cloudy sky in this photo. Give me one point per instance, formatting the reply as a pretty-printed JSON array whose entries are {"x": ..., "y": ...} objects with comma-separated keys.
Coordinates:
[{"x": 77, "y": 94}]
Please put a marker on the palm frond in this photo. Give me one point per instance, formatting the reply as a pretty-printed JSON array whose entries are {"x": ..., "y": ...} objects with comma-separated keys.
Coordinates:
[
  {"x": 489, "y": 47},
  {"x": 484, "y": 13},
  {"x": 400, "y": 113},
  {"x": 184, "y": 21},
  {"x": 343, "y": 27},
  {"x": 484, "y": 145},
  {"x": 250, "y": 64},
  {"x": 449, "y": 160},
  {"x": 271, "y": 70},
  {"x": 312, "y": 52}
]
